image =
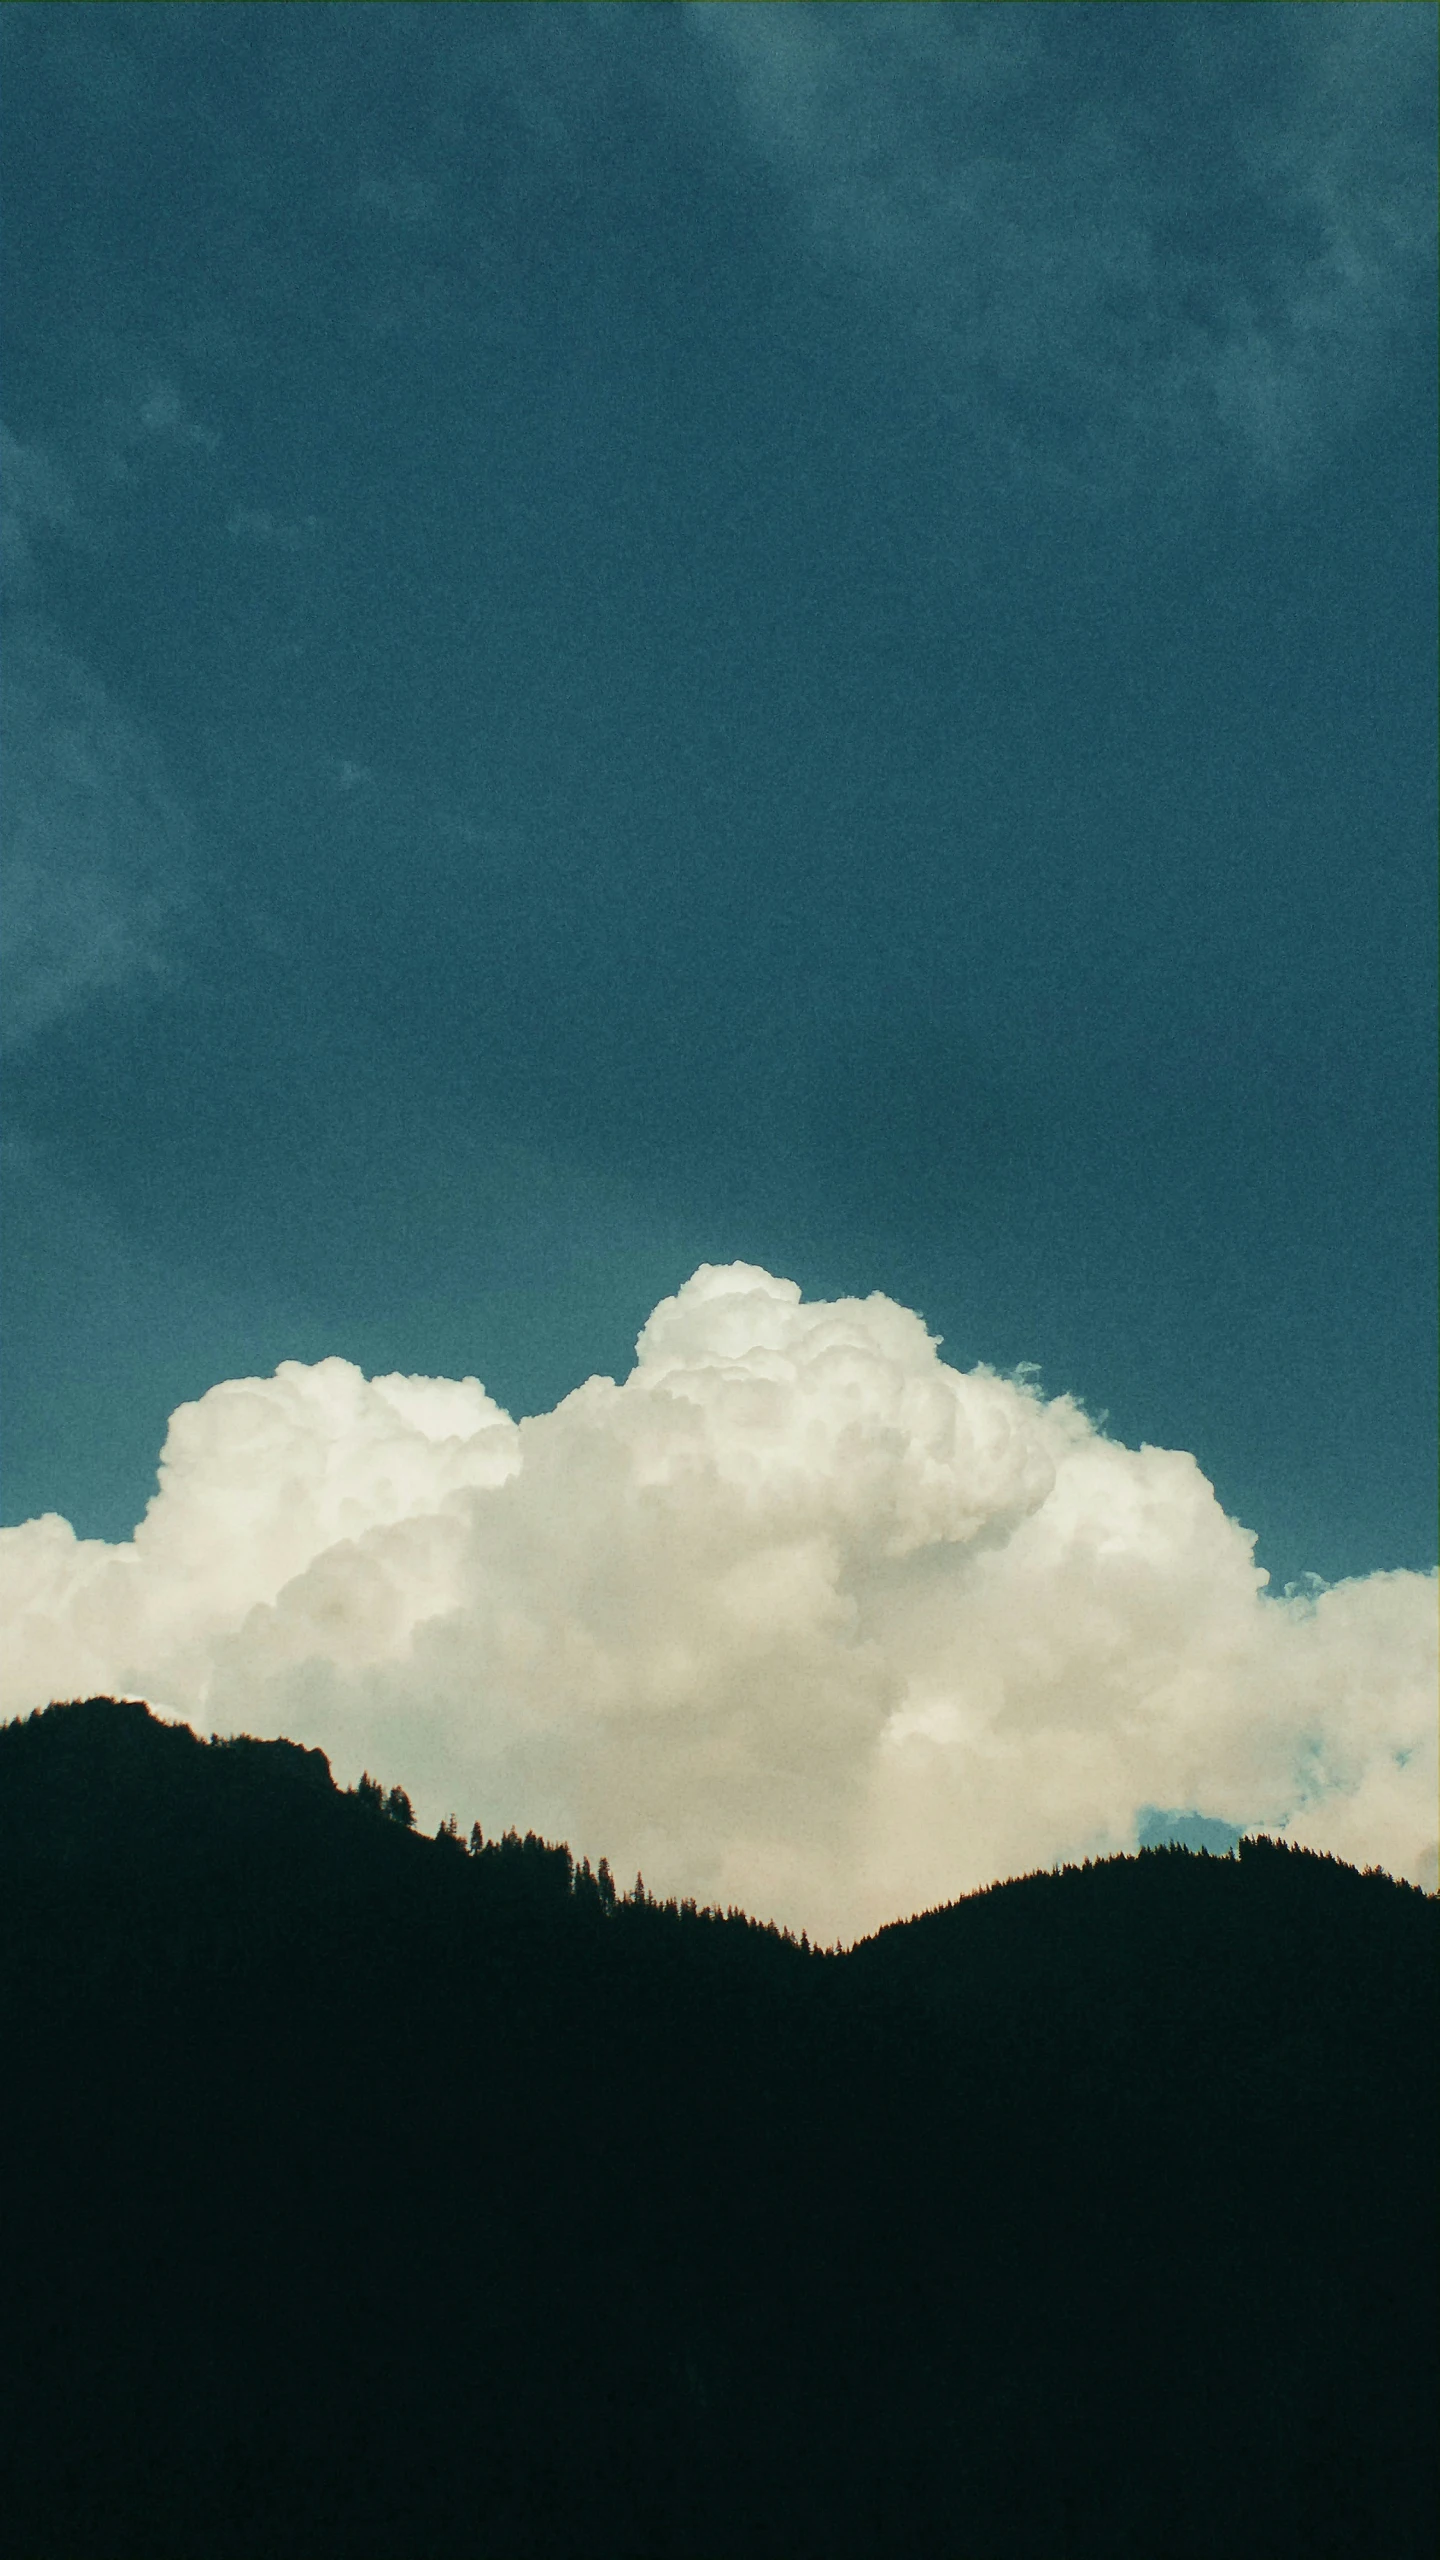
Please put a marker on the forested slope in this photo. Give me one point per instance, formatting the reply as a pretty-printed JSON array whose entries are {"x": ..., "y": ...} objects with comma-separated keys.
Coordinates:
[{"x": 370, "y": 2196}]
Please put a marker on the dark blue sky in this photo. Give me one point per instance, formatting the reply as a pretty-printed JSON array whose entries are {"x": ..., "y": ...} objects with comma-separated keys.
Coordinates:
[{"x": 656, "y": 634}]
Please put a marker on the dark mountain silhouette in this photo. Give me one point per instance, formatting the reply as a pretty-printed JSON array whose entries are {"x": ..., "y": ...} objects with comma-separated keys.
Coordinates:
[{"x": 368, "y": 2195}]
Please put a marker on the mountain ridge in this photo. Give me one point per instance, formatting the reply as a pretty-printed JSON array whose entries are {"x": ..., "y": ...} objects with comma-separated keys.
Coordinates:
[{"x": 386, "y": 2197}]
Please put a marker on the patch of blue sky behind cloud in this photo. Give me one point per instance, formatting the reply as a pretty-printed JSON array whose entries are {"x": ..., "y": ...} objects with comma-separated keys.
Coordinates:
[{"x": 674, "y": 635}]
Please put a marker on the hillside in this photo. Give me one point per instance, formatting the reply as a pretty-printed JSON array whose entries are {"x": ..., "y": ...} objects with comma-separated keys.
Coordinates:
[{"x": 371, "y": 2196}]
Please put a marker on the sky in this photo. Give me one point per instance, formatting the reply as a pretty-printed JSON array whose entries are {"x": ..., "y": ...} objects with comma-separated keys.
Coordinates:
[{"x": 654, "y": 642}]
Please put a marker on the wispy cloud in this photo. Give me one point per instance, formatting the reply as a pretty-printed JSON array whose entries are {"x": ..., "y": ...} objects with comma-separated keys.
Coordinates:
[
  {"x": 270, "y": 531},
  {"x": 162, "y": 412},
  {"x": 93, "y": 846},
  {"x": 796, "y": 1615},
  {"x": 1200, "y": 250},
  {"x": 36, "y": 502},
  {"x": 400, "y": 197}
]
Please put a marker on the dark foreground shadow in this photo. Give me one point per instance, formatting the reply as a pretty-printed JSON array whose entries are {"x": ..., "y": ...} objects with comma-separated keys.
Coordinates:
[{"x": 366, "y": 2196}]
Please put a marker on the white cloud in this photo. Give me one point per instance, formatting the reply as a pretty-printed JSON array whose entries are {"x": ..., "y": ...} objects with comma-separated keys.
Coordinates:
[
  {"x": 796, "y": 1616},
  {"x": 1198, "y": 243}
]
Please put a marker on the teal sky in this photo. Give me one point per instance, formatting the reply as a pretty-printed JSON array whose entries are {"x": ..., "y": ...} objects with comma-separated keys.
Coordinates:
[{"x": 652, "y": 634}]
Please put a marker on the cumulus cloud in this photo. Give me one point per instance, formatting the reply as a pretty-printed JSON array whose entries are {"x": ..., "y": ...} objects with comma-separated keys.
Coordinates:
[
  {"x": 1201, "y": 245},
  {"x": 796, "y": 1616}
]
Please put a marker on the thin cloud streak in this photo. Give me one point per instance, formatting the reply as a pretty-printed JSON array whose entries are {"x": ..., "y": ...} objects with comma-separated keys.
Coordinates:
[
  {"x": 1095, "y": 288},
  {"x": 94, "y": 852},
  {"x": 795, "y": 1616},
  {"x": 94, "y": 846}
]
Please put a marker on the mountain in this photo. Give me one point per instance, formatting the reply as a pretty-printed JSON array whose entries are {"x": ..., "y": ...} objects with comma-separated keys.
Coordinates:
[{"x": 370, "y": 2196}]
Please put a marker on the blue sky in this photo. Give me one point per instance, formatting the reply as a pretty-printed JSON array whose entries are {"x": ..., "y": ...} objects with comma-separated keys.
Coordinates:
[{"x": 656, "y": 635}]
